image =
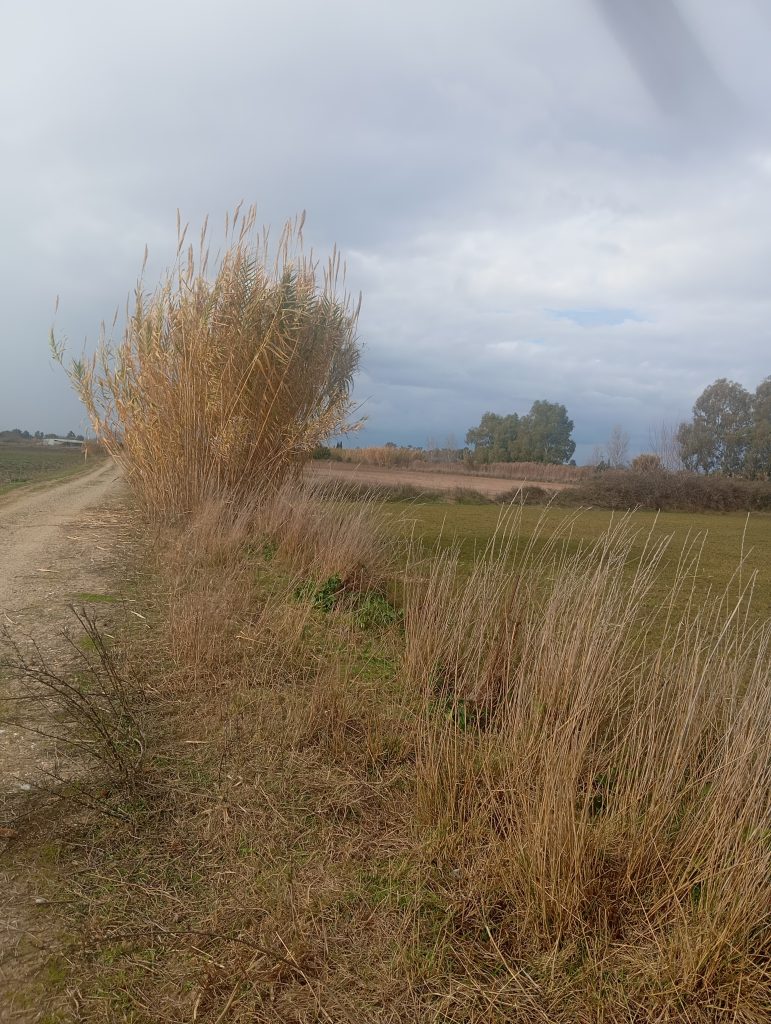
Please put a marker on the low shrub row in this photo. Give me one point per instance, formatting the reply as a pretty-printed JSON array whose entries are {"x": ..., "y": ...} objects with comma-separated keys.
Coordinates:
[{"x": 690, "y": 492}]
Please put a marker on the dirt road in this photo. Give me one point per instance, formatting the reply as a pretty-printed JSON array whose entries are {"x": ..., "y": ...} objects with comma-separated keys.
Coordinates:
[
  {"x": 491, "y": 486},
  {"x": 58, "y": 545},
  {"x": 34, "y": 536}
]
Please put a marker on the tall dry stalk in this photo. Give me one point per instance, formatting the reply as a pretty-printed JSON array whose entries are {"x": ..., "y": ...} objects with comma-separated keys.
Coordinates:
[
  {"x": 596, "y": 774},
  {"x": 223, "y": 384}
]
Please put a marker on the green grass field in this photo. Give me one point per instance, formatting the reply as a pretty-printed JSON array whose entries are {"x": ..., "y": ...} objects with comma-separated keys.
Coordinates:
[
  {"x": 471, "y": 527},
  {"x": 30, "y": 464}
]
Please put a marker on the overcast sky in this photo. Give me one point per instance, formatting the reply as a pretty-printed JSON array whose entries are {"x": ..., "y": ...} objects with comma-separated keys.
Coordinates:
[{"x": 562, "y": 199}]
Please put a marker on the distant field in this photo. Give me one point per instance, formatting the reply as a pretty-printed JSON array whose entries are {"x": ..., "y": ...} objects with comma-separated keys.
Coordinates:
[
  {"x": 423, "y": 479},
  {"x": 29, "y": 464},
  {"x": 473, "y": 526}
]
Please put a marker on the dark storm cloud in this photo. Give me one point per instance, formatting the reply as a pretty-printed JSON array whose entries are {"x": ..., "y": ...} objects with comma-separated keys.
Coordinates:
[{"x": 524, "y": 219}]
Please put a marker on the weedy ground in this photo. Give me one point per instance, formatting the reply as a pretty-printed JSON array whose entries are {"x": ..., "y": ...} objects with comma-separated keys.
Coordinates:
[
  {"x": 430, "y": 764},
  {"x": 26, "y": 464},
  {"x": 724, "y": 538}
]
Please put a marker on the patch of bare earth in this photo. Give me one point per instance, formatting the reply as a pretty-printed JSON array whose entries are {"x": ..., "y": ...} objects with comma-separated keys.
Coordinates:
[
  {"x": 492, "y": 487},
  {"x": 59, "y": 546}
]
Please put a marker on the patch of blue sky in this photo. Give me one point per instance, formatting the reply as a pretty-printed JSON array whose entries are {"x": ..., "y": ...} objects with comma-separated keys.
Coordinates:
[{"x": 598, "y": 317}]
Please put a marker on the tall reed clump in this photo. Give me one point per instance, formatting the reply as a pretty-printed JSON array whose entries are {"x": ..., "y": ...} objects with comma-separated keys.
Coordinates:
[
  {"x": 224, "y": 383},
  {"x": 594, "y": 781}
]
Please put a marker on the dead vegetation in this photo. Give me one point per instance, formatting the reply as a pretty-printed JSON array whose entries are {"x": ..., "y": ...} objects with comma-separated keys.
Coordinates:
[
  {"x": 222, "y": 385},
  {"x": 598, "y": 782},
  {"x": 519, "y": 794},
  {"x": 395, "y": 457}
]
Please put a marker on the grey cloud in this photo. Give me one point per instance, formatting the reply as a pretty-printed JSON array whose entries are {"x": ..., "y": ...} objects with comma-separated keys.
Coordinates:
[{"x": 478, "y": 169}]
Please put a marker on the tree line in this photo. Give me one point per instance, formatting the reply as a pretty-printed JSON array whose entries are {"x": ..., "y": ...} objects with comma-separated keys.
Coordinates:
[
  {"x": 729, "y": 434},
  {"x": 19, "y": 436}
]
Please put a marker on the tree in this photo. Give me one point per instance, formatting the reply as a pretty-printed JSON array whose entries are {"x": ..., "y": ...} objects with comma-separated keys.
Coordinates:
[
  {"x": 617, "y": 448},
  {"x": 482, "y": 438},
  {"x": 541, "y": 436},
  {"x": 717, "y": 439},
  {"x": 759, "y": 448},
  {"x": 494, "y": 440},
  {"x": 545, "y": 434},
  {"x": 664, "y": 443}
]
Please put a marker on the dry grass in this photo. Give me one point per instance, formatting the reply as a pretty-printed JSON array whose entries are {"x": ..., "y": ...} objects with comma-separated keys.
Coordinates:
[
  {"x": 387, "y": 456},
  {"x": 597, "y": 782},
  {"x": 245, "y": 874},
  {"x": 532, "y": 800},
  {"x": 539, "y": 472},
  {"x": 222, "y": 385},
  {"x": 393, "y": 457}
]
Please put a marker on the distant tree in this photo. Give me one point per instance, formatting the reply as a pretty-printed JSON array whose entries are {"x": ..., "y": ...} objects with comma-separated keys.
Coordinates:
[
  {"x": 541, "y": 436},
  {"x": 545, "y": 434},
  {"x": 597, "y": 458},
  {"x": 617, "y": 448},
  {"x": 488, "y": 439},
  {"x": 759, "y": 447},
  {"x": 664, "y": 443},
  {"x": 718, "y": 437}
]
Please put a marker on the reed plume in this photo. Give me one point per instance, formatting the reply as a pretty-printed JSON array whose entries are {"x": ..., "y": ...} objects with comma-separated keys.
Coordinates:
[{"x": 223, "y": 384}]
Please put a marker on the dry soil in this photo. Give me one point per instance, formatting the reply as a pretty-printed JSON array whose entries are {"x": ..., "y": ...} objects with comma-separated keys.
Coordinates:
[{"x": 58, "y": 546}]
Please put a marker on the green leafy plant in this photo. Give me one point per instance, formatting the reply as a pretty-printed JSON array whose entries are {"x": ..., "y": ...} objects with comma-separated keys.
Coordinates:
[
  {"x": 323, "y": 596},
  {"x": 374, "y": 611}
]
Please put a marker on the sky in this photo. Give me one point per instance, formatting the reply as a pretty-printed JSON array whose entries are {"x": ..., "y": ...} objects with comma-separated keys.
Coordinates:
[{"x": 566, "y": 200}]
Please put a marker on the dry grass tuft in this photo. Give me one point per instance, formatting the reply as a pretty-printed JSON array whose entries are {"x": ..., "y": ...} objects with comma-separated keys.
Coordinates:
[{"x": 596, "y": 775}]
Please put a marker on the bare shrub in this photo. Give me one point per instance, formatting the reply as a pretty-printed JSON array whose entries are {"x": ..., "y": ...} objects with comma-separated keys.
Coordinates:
[
  {"x": 224, "y": 384},
  {"x": 86, "y": 707},
  {"x": 636, "y": 488},
  {"x": 646, "y": 462}
]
